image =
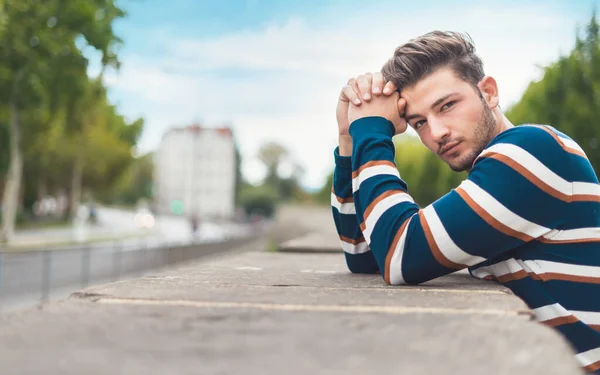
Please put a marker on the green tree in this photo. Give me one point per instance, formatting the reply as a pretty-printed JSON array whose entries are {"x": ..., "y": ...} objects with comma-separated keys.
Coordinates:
[
  {"x": 568, "y": 94},
  {"x": 35, "y": 38}
]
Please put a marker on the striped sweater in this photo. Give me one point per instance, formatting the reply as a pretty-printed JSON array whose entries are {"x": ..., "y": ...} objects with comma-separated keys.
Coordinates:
[{"x": 527, "y": 216}]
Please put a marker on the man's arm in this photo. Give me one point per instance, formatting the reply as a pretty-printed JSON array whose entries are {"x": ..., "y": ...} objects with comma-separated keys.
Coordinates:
[
  {"x": 358, "y": 255},
  {"x": 498, "y": 208}
]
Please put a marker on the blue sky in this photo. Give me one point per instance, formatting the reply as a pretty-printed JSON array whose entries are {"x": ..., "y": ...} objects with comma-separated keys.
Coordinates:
[{"x": 273, "y": 69}]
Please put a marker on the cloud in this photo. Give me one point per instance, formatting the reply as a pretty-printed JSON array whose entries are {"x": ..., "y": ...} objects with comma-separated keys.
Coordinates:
[{"x": 281, "y": 82}]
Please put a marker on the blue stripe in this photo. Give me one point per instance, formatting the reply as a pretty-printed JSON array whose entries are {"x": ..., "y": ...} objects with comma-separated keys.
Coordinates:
[
  {"x": 585, "y": 254},
  {"x": 542, "y": 145},
  {"x": 346, "y": 225},
  {"x": 386, "y": 228},
  {"x": 470, "y": 231},
  {"x": 509, "y": 187},
  {"x": 582, "y": 337},
  {"x": 362, "y": 263},
  {"x": 418, "y": 264}
]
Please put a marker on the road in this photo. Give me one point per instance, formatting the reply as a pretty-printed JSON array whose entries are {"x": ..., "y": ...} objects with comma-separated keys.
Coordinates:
[{"x": 27, "y": 277}]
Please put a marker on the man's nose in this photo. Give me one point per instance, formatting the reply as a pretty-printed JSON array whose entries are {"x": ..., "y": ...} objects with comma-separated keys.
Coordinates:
[{"x": 439, "y": 130}]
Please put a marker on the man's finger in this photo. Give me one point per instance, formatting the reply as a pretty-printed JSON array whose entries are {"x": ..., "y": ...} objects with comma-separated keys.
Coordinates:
[
  {"x": 377, "y": 87},
  {"x": 389, "y": 88},
  {"x": 364, "y": 85},
  {"x": 349, "y": 95}
]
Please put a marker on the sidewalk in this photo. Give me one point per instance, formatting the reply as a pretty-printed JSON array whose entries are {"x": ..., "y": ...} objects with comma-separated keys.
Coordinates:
[{"x": 257, "y": 312}]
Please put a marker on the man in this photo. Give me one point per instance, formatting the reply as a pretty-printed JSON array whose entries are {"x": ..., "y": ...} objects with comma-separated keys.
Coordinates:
[{"x": 527, "y": 216}]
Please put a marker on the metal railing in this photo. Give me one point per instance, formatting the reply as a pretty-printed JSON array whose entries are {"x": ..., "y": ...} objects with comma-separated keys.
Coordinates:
[{"x": 31, "y": 277}]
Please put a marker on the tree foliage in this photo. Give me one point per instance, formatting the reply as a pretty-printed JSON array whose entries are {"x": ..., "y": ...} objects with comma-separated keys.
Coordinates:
[
  {"x": 567, "y": 96},
  {"x": 58, "y": 130}
]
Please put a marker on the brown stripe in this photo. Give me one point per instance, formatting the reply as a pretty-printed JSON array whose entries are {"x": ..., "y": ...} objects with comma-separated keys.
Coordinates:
[
  {"x": 363, "y": 226},
  {"x": 561, "y": 276},
  {"x": 586, "y": 198},
  {"x": 343, "y": 200},
  {"x": 379, "y": 199},
  {"x": 581, "y": 240},
  {"x": 390, "y": 254},
  {"x": 435, "y": 250},
  {"x": 373, "y": 163},
  {"x": 560, "y": 142},
  {"x": 521, "y": 274},
  {"x": 353, "y": 242},
  {"x": 595, "y": 326},
  {"x": 593, "y": 367},
  {"x": 560, "y": 321},
  {"x": 534, "y": 276},
  {"x": 529, "y": 176},
  {"x": 490, "y": 219}
]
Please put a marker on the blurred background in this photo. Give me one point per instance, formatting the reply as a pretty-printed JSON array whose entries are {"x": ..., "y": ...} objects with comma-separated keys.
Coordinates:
[{"x": 137, "y": 125}]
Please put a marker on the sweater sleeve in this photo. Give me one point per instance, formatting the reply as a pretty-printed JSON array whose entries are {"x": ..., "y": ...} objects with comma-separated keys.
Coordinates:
[
  {"x": 359, "y": 257},
  {"x": 501, "y": 205}
]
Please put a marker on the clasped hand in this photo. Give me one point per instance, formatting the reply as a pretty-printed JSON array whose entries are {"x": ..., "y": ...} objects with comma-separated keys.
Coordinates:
[{"x": 367, "y": 96}]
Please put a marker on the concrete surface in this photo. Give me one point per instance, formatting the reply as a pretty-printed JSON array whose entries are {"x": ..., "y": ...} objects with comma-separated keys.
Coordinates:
[{"x": 282, "y": 313}]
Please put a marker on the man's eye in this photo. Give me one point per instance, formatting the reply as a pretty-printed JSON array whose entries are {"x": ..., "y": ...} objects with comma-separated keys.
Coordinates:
[
  {"x": 418, "y": 124},
  {"x": 448, "y": 105}
]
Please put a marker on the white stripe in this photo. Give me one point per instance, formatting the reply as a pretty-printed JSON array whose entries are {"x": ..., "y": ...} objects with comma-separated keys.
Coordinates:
[
  {"x": 343, "y": 208},
  {"x": 481, "y": 272},
  {"x": 586, "y": 188},
  {"x": 571, "y": 144},
  {"x": 396, "y": 277},
  {"x": 500, "y": 212},
  {"x": 447, "y": 247},
  {"x": 369, "y": 172},
  {"x": 589, "y": 357},
  {"x": 538, "y": 267},
  {"x": 380, "y": 209},
  {"x": 544, "y": 266},
  {"x": 588, "y": 317},
  {"x": 550, "y": 312},
  {"x": 573, "y": 234},
  {"x": 359, "y": 248},
  {"x": 532, "y": 164}
]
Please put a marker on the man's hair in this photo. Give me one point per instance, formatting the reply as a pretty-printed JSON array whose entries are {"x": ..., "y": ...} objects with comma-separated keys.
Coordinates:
[{"x": 423, "y": 55}]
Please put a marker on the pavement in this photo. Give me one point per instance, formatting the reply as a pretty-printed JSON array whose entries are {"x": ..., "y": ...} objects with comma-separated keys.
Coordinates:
[{"x": 256, "y": 312}]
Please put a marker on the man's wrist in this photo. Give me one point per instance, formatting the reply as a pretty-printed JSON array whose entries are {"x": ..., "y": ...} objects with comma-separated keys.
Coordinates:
[
  {"x": 345, "y": 145},
  {"x": 371, "y": 125}
]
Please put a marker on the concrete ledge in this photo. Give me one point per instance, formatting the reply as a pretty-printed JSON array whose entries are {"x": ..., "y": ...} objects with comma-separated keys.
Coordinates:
[
  {"x": 313, "y": 242},
  {"x": 267, "y": 313}
]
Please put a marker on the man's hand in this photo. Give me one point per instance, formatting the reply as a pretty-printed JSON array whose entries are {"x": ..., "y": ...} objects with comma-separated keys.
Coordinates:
[
  {"x": 389, "y": 107},
  {"x": 357, "y": 91}
]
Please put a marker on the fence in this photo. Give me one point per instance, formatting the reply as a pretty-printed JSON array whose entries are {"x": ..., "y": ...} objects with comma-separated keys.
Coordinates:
[{"x": 29, "y": 277}]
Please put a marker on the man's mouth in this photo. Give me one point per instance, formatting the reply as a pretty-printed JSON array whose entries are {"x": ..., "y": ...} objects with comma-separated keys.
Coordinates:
[{"x": 448, "y": 147}]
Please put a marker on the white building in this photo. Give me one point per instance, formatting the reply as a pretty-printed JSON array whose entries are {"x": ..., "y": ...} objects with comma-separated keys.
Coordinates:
[{"x": 195, "y": 173}]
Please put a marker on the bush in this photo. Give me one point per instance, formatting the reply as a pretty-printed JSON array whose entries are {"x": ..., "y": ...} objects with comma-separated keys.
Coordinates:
[{"x": 258, "y": 200}]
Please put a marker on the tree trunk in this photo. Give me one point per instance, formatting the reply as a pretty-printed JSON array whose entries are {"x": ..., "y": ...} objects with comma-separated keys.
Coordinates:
[
  {"x": 76, "y": 181},
  {"x": 10, "y": 199}
]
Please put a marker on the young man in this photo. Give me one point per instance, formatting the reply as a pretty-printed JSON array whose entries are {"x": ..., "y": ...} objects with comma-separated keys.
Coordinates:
[{"x": 528, "y": 215}]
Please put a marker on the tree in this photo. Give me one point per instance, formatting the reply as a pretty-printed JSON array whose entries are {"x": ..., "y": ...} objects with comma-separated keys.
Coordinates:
[
  {"x": 568, "y": 94},
  {"x": 34, "y": 37}
]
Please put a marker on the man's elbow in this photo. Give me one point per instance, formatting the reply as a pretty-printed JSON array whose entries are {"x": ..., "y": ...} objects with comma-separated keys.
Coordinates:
[
  {"x": 363, "y": 269},
  {"x": 404, "y": 281}
]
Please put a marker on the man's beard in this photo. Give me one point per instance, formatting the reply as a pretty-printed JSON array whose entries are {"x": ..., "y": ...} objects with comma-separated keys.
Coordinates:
[{"x": 484, "y": 133}]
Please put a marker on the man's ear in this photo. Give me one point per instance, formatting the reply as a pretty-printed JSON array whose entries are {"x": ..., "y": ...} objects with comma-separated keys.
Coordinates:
[{"x": 489, "y": 90}]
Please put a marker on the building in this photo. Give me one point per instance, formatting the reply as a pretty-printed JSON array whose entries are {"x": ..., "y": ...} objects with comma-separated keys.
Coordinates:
[{"x": 196, "y": 172}]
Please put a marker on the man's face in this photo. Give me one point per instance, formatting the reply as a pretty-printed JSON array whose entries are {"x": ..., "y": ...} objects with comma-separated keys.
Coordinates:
[{"x": 450, "y": 116}]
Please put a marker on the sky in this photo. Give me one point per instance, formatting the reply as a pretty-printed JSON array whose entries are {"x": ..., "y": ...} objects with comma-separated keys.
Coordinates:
[{"x": 272, "y": 70}]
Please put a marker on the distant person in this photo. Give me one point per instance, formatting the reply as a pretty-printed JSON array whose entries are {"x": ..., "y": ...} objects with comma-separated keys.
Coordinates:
[{"x": 527, "y": 216}]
